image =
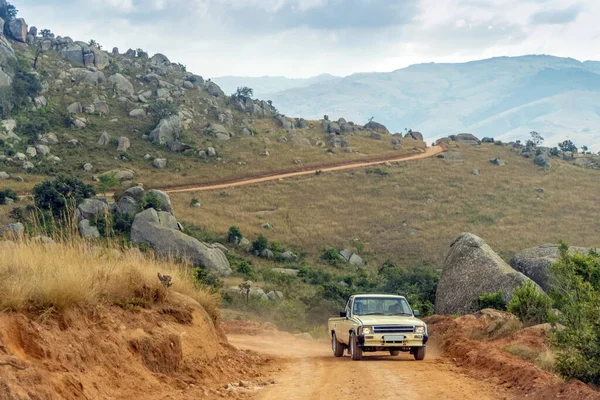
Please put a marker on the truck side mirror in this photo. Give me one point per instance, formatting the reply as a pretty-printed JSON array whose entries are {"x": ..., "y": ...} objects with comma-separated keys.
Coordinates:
[
  {"x": 416, "y": 313},
  {"x": 343, "y": 314}
]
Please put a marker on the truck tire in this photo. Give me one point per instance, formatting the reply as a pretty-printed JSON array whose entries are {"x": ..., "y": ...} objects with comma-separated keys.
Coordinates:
[
  {"x": 419, "y": 353},
  {"x": 394, "y": 352},
  {"x": 337, "y": 347},
  {"x": 355, "y": 351}
]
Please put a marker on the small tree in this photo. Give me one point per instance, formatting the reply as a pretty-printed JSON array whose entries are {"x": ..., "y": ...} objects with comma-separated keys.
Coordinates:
[
  {"x": 8, "y": 12},
  {"x": 151, "y": 200},
  {"x": 107, "y": 182},
  {"x": 536, "y": 138},
  {"x": 46, "y": 33},
  {"x": 243, "y": 93},
  {"x": 567, "y": 145},
  {"x": 326, "y": 117},
  {"x": 584, "y": 148},
  {"x": 161, "y": 109}
]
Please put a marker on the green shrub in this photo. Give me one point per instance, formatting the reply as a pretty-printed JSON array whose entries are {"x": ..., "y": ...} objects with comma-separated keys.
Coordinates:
[
  {"x": 314, "y": 276},
  {"x": 234, "y": 235},
  {"x": 331, "y": 256},
  {"x": 494, "y": 300},
  {"x": 529, "y": 305},
  {"x": 8, "y": 194},
  {"x": 418, "y": 284},
  {"x": 207, "y": 278},
  {"x": 260, "y": 244},
  {"x": 151, "y": 200},
  {"x": 161, "y": 109},
  {"x": 576, "y": 293},
  {"x": 60, "y": 193},
  {"x": 276, "y": 247},
  {"x": 498, "y": 143},
  {"x": 377, "y": 171},
  {"x": 200, "y": 233}
]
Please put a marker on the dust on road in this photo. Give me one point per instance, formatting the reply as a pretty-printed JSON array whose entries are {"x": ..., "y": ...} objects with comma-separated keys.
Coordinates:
[{"x": 309, "y": 371}]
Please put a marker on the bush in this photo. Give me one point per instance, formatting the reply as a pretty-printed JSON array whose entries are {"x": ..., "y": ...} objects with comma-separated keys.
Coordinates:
[
  {"x": 417, "y": 284},
  {"x": 276, "y": 247},
  {"x": 487, "y": 140},
  {"x": 260, "y": 244},
  {"x": 234, "y": 235},
  {"x": 377, "y": 171},
  {"x": 555, "y": 152},
  {"x": 529, "y": 305},
  {"x": 161, "y": 109},
  {"x": 494, "y": 300},
  {"x": 61, "y": 193},
  {"x": 151, "y": 200},
  {"x": 8, "y": 194},
  {"x": 498, "y": 143},
  {"x": 576, "y": 293},
  {"x": 331, "y": 256}
]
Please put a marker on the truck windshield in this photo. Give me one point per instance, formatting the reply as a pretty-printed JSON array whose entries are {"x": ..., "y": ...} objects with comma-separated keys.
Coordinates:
[{"x": 381, "y": 306}]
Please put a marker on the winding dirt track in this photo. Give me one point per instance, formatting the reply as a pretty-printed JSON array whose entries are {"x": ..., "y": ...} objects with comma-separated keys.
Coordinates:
[
  {"x": 310, "y": 372},
  {"x": 429, "y": 152}
]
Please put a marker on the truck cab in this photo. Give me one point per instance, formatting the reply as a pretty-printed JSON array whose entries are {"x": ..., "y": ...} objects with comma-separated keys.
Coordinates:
[{"x": 376, "y": 323}]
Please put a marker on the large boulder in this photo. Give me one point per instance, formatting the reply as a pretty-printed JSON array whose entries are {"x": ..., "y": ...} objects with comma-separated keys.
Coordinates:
[
  {"x": 121, "y": 84},
  {"x": 148, "y": 229},
  {"x": 87, "y": 230},
  {"x": 89, "y": 208},
  {"x": 414, "y": 135},
  {"x": 73, "y": 53},
  {"x": 535, "y": 263},
  {"x": 18, "y": 29},
  {"x": 471, "y": 269},
  {"x": 543, "y": 160},
  {"x": 453, "y": 156},
  {"x": 164, "y": 199},
  {"x": 466, "y": 137},
  {"x": 377, "y": 127},
  {"x": 167, "y": 130},
  {"x": 214, "y": 90}
]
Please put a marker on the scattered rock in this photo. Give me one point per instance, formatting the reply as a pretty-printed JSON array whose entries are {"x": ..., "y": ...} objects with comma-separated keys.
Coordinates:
[
  {"x": 452, "y": 156},
  {"x": 12, "y": 231},
  {"x": 543, "y": 160},
  {"x": 475, "y": 172},
  {"x": 377, "y": 127},
  {"x": 124, "y": 144},
  {"x": 285, "y": 271},
  {"x": 104, "y": 139},
  {"x": 121, "y": 84},
  {"x": 137, "y": 113},
  {"x": 89, "y": 208},
  {"x": 498, "y": 162},
  {"x": 88, "y": 167},
  {"x": 75, "y": 108},
  {"x": 31, "y": 151},
  {"x": 159, "y": 163},
  {"x": 167, "y": 130}
]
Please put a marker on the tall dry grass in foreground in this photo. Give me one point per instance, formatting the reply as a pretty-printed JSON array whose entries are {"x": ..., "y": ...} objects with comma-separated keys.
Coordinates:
[{"x": 37, "y": 276}]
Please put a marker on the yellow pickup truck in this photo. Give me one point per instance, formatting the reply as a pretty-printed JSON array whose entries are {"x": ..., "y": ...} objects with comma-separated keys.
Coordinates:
[{"x": 378, "y": 322}]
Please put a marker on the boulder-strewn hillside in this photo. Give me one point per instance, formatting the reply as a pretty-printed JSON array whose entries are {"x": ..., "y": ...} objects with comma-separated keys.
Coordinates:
[
  {"x": 504, "y": 97},
  {"x": 71, "y": 107}
]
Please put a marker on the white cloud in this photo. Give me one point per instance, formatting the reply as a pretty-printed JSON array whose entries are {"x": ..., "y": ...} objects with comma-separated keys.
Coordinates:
[{"x": 306, "y": 37}]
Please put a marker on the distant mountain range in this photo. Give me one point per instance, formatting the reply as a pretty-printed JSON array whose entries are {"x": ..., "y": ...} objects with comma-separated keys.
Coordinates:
[{"x": 503, "y": 97}]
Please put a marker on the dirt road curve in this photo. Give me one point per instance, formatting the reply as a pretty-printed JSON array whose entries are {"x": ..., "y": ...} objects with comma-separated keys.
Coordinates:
[
  {"x": 310, "y": 372},
  {"x": 429, "y": 152}
]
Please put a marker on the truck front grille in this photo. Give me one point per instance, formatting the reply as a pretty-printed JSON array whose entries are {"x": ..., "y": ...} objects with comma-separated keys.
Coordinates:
[{"x": 394, "y": 329}]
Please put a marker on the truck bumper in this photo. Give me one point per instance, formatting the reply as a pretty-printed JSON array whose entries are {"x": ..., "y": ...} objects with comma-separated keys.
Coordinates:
[{"x": 380, "y": 341}]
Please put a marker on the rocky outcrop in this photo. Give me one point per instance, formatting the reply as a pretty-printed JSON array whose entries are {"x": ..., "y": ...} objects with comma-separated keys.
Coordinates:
[
  {"x": 466, "y": 137},
  {"x": 535, "y": 263},
  {"x": 214, "y": 89},
  {"x": 452, "y": 156},
  {"x": 471, "y": 269},
  {"x": 414, "y": 135},
  {"x": 152, "y": 228}
]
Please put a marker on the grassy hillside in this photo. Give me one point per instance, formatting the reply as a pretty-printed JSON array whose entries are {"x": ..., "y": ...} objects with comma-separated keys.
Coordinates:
[{"x": 410, "y": 212}]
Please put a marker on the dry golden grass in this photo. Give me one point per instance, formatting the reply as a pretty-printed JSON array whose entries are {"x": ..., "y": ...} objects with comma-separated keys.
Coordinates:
[
  {"x": 239, "y": 157},
  {"x": 413, "y": 214},
  {"x": 72, "y": 273}
]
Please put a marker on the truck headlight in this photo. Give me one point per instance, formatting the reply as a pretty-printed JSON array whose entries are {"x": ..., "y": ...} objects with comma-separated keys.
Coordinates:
[
  {"x": 367, "y": 330},
  {"x": 420, "y": 329}
]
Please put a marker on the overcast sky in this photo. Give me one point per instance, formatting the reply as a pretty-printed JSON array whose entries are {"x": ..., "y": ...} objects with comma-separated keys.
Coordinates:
[{"x": 302, "y": 38}]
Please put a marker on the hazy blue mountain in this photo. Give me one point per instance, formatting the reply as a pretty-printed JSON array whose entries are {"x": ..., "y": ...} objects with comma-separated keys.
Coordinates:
[
  {"x": 267, "y": 85},
  {"x": 505, "y": 98}
]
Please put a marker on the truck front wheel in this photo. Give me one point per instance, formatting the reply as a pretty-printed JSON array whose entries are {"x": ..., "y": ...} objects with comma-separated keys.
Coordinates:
[
  {"x": 337, "y": 347},
  {"x": 355, "y": 351},
  {"x": 419, "y": 353},
  {"x": 394, "y": 352}
]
